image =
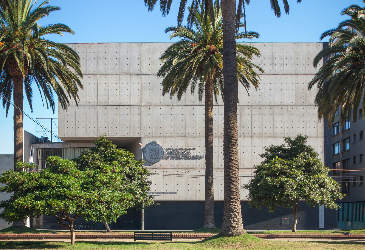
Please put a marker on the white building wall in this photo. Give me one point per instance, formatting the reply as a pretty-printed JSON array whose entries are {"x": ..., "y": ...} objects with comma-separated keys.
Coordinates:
[{"x": 122, "y": 97}]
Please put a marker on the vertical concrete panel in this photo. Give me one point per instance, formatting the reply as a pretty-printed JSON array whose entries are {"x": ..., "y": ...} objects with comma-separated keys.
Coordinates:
[
  {"x": 125, "y": 120},
  {"x": 267, "y": 58},
  {"x": 257, "y": 149},
  {"x": 312, "y": 121},
  {"x": 103, "y": 90},
  {"x": 81, "y": 121},
  {"x": 256, "y": 121},
  {"x": 103, "y": 58},
  {"x": 289, "y": 58},
  {"x": 135, "y": 122},
  {"x": 114, "y": 58},
  {"x": 70, "y": 124},
  {"x": 301, "y": 122},
  {"x": 135, "y": 55},
  {"x": 90, "y": 91},
  {"x": 267, "y": 121},
  {"x": 91, "y": 121},
  {"x": 200, "y": 121},
  {"x": 279, "y": 120},
  {"x": 244, "y": 97},
  {"x": 278, "y": 57},
  {"x": 216, "y": 118},
  {"x": 168, "y": 118},
  {"x": 135, "y": 93},
  {"x": 290, "y": 117},
  {"x": 218, "y": 185},
  {"x": 289, "y": 90},
  {"x": 265, "y": 92},
  {"x": 80, "y": 49},
  {"x": 125, "y": 90},
  {"x": 245, "y": 120},
  {"x": 157, "y": 121},
  {"x": 62, "y": 122},
  {"x": 245, "y": 152},
  {"x": 125, "y": 58},
  {"x": 103, "y": 120},
  {"x": 180, "y": 125},
  {"x": 191, "y": 121},
  {"x": 114, "y": 89},
  {"x": 146, "y": 90},
  {"x": 146, "y": 121},
  {"x": 300, "y": 94},
  {"x": 114, "y": 121},
  {"x": 91, "y": 59}
]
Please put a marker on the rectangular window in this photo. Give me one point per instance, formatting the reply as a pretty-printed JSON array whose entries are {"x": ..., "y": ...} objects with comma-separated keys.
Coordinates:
[
  {"x": 346, "y": 186},
  {"x": 336, "y": 128},
  {"x": 354, "y": 182},
  {"x": 345, "y": 164},
  {"x": 336, "y": 148},
  {"x": 335, "y": 167},
  {"x": 354, "y": 160},
  {"x": 346, "y": 144},
  {"x": 353, "y": 138},
  {"x": 361, "y": 137},
  {"x": 361, "y": 183},
  {"x": 360, "y": 113},
  {"x": 361, "y": 158},
  {"x": 346, "y": 126}
]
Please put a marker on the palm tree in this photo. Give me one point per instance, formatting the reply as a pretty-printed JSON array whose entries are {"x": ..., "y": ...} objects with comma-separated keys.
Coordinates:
[
  {"x": 27, "y": 57},
  {"x": 340, "y": 80},
  {"x": 196, "y": 61},
  {"x": 232, "y": 218}
]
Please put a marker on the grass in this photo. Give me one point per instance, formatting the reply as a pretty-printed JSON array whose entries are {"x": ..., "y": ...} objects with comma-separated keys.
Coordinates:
[
  {"x": 25, "y": 230},
  {"x": 362, "y": 231},
  {"x": 238, "y": 242}
]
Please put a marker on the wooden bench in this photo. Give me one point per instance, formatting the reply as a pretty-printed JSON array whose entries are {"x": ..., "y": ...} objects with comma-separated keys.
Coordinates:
[{"x": 153, "y": 236}]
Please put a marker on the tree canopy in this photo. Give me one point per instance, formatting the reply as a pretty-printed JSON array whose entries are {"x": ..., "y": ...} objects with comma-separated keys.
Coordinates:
[
  {"x": 340, "y": 80},
  {"x": 290, "y": 173},
  {"x": 99, "y": 186}
]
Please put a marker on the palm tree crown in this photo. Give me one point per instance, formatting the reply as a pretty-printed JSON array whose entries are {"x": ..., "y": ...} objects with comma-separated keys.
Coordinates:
[
  {"x": 198, "y": 56},
  {"x": 24, "y": 52},
  {"x": 341, "y": 78}
]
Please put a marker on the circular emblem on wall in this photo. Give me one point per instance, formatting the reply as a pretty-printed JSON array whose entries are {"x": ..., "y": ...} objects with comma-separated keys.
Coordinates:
[{"x": 152, "y": 152}]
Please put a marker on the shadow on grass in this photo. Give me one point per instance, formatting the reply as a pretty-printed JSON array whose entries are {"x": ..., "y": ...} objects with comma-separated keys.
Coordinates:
[
  {"x": 342, "y": 242},
  {"x": 84, "y": 244}
]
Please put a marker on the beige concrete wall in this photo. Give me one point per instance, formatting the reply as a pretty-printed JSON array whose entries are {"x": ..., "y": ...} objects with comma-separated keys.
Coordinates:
[{"x": 122, "y": 97}]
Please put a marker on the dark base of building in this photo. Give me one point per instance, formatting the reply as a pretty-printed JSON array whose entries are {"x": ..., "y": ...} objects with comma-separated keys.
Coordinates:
[{"x": 189, "y": 215}]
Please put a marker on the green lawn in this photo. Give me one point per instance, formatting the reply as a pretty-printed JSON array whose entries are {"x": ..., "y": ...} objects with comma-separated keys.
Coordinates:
[{"x": 240, "y": 242}]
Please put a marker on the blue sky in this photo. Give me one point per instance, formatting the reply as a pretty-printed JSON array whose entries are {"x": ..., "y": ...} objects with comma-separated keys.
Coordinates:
[{"x": 129, "y": 21}]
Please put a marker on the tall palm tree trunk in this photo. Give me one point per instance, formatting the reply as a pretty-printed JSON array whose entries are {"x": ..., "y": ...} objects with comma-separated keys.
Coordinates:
[
  {"x": 209, "y": 190},
  {"x": 232, "y": 218},
  {"x": 18, "y": 119},
  {"x": 18, "y": 128}
]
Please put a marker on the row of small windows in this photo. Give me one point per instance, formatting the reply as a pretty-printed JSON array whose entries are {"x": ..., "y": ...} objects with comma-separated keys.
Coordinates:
[
  {"x": 345, "y": 143},
  {"x": 336, "y": 127},
  {"x": 345, "y": 163},
  {"x": 346, "y": 183}
]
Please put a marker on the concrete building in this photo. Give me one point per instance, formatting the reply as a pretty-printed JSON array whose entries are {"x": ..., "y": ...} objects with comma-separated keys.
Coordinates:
[{"x": 122, "y": 99}]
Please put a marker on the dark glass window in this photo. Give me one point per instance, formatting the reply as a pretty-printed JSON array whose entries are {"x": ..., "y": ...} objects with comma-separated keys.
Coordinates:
[
  {"x": 336, "y": 148},
  {"x": 346, "y": 144},
  {"x": 336, "y": 128}
]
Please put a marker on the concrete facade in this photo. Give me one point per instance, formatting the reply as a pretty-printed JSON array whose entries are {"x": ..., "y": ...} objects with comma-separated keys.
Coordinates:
[{"x": 122, "y": 99}]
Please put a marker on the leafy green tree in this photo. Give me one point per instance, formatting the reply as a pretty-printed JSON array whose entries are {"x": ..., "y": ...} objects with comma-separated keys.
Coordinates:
[
  {"x": 290, "y": 173},
  {"x": 97, "y": 187},
  {"x": 340, "y": 79},
  {"x": 232, "y": 217},
  {"x": 197, "y": 61},
  {"x": 27, "y": 57}
]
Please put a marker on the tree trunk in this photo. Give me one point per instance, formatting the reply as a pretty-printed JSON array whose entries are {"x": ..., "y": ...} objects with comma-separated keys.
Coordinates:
[
  {"x": 232, "y": 218},
  {"x": 106, "y": 225},
  {"x": 18, "y": 129},
  {"x": 18, "y": 119},
  {"x": 209, "y": 189},
  {"x": 295, "y": 220},
  {"x": 72, "y": 230}
]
